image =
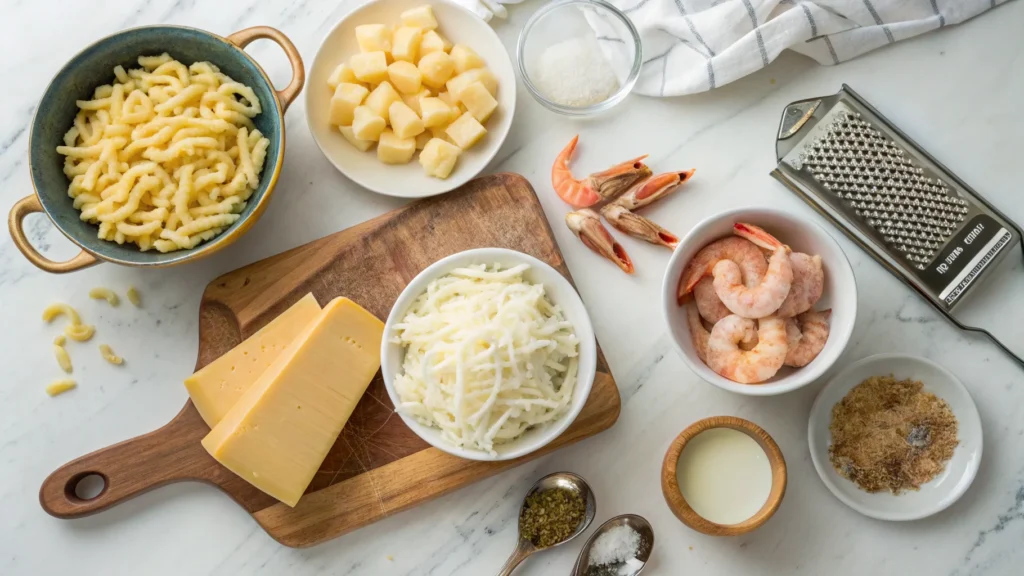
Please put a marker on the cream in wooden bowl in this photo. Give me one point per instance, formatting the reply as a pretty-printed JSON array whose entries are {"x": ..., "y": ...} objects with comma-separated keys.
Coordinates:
[{"x": 723, "y": 476}]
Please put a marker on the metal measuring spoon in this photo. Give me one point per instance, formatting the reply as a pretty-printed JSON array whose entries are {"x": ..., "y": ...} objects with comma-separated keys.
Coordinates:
[
  {"x": 643, "y": 554},
  {"x": 564, "y": 480}
]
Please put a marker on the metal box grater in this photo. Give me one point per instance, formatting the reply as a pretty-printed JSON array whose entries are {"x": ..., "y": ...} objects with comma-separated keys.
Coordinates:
[{"x": 903, "y": 207}]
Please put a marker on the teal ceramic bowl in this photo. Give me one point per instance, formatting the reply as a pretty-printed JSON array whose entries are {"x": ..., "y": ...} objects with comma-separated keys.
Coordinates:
[{"x": 94, "y": 67}]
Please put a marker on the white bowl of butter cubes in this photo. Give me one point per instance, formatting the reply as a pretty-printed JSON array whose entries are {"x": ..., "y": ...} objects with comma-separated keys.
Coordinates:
[
  {"x": 489, "y": 354},
  {"x": 410, "y": 99}
]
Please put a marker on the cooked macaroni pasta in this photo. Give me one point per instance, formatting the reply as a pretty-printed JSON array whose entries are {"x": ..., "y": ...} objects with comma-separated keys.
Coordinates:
[
  {"x": 109, "y": 356},
  {"x": 133, "y": 297},
  {"x": 166, "y": 156},
  {"x": 60, "y": 386},
  {"x": 62, "y": 358},
  {"x": 105, "y": 294}
]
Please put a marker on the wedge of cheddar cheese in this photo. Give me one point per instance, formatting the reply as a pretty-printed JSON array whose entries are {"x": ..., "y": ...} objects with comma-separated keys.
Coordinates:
[
  {"x": 216, "y": 387},
  {"x": 279, "y": 432}
]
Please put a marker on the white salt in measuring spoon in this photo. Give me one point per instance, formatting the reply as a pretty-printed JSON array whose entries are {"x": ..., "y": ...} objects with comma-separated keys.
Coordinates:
[
  {"x": 565, "y": 481},
  {"x": 643, "y": 554}
]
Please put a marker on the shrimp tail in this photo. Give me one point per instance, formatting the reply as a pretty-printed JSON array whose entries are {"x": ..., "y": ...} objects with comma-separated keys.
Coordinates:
[
  {"x": 638, "y": 227},
  {"x": 600, "y": 186},
  {"x": 757, "y": 235},
  {"x": 586, "y": 225}
]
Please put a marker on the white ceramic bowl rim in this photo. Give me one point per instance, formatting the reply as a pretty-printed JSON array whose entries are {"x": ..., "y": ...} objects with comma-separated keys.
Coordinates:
[
  {"x": 969, "y": 423},
  {"x": 574, "y": 310},
  {"x": 840, "y": 331}
]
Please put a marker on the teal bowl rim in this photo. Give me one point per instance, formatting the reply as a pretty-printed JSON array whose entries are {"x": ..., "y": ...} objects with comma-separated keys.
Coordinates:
[{"x": 223, "y": 239}]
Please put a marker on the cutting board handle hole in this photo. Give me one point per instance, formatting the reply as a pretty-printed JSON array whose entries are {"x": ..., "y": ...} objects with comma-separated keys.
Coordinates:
[{"x": 85, "y": 486}]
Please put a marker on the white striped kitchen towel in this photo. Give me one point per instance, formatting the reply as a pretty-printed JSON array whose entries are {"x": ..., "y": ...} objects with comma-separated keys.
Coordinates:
[{"x": 695, "y": 45}]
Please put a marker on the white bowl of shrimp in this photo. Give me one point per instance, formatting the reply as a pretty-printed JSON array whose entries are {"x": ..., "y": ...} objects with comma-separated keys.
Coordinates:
[{"x": 759, "y": 301}]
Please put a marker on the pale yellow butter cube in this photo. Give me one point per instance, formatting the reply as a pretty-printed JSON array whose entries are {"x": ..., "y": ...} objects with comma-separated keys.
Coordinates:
[
  {"x": 466, "y": 131},
  {"x": 405, "y": 76},
  {"x": 350, "y": 135},
  {"x": 394, "y": 150},
  {"x": 342, "y": 73},
  {"x": 438, "y": 158},
  {"x": 419, "y": 17},
  {"x": 367, "y": 124},
  {"x": 478, "y": 101},
  {"x": 422, "y": 138},
  {"x": 437, "y": 68},
  {"x": 374, "y": 38},
  {"x": 482, "y": 75},
  {"x": 405, "y": 44},
  {"x": 465, "y": 58},
  {"x": 404, "y": 122},
  {"x": 413, "y": 100},
  {"x": 433, "y": 42},
  {"x": 346, "y": 97},
  {"x": 381, "y": 98},
  {"x": 370, "y": 67},
  {"x": 435, "y": 112}
]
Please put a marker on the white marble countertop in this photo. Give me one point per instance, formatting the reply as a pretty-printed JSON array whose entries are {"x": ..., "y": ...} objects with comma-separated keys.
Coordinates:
[{"x": 957, "y": 91}]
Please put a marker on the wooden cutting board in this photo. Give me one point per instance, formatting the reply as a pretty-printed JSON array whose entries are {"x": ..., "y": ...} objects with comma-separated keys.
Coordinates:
[{"x": 378, "y": 466}]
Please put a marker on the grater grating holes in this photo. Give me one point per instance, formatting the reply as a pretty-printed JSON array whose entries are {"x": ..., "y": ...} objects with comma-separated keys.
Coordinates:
[{"x": 914, "y": 214}]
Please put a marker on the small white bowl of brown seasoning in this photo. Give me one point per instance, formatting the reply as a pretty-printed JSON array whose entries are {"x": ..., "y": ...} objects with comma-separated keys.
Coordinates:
[{"x": 895, "y": 437}]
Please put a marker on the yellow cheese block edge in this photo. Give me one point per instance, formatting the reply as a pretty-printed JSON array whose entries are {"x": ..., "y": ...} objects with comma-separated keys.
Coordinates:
[
  {"x": 215, "y": 440},
  {"x": 212, "y": 407}
]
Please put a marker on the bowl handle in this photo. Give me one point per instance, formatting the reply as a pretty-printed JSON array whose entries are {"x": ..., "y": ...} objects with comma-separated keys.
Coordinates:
[
  {"x": 24, "y": 207},
  {"x": 243, "y": 38}
]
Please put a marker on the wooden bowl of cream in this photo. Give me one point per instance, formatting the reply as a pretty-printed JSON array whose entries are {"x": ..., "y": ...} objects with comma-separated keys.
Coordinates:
[{"x": 723, "y": 476}]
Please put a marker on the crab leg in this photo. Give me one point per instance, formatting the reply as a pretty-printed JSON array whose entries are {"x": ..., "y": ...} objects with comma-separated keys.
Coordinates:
[
  {"x": 653, "y": 189},
  {"x": 586, "y": 224},
  {"x": 638, "y": 227}
]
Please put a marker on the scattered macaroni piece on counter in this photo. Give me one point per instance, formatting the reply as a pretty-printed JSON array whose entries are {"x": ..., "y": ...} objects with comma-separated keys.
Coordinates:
[
  {"x": 80, "y": 332},
  {"x": 62, "y": 358},
  {"x": 109, "y": 355},
  {"x": 105, "y": 294},
  {"x": 133, "y": 297},
  {"x": 60, "y": 386},
  {"x": 61, "y": 309},
  {"x": 59, "y": 340}
]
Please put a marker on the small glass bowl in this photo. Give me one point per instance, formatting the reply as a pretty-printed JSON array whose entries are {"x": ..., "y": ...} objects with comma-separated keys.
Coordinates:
[{"x": 563, "y": 19}]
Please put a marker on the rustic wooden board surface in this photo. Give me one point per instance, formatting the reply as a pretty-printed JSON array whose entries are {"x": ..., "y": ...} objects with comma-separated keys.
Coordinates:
[{"x": 378, "y": 466}]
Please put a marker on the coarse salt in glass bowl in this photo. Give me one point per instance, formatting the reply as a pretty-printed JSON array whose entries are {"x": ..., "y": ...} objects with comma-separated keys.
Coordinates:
[{"x": 579, "y": 57}]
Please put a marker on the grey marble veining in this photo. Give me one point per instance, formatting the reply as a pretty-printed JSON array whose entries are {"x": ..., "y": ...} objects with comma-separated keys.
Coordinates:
[{"x": 956, "y": 91}]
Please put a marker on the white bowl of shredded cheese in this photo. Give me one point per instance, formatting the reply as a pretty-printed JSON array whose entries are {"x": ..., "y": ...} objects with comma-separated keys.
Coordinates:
[{"x": 488, "y": 354}]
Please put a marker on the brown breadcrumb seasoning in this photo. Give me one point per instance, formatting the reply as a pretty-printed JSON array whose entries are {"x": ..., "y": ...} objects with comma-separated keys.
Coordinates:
[
  {"x": 551, "y": 516},
  {"x": 890, "y": 434}
]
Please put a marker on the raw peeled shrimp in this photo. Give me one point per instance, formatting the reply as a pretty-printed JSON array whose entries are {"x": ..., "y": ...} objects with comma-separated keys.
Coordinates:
[
  {"x": 739, "y": 250},
  {"x": 813, "y": 328},
  {"x": 808, "y": 275},
  {"x": 699, "y": 332},
  {"x": 725, "y": 357},
  {"x": 708, "y": 303},
  {"x": 654, "y": 188},
  {"x": 808, "y": 284},
  {"x": 586, "y": 224},
  {"x": 757, "y": 301},
  {"x": 606, "y": 185},
  {"x": 638, "y": 227}
]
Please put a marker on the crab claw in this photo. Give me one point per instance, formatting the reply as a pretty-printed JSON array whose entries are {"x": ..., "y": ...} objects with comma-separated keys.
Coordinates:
[
  {"x": 586, "y": 224},
  {"x": 638, "y": 227},
  {"x": 653, "y": 189}
]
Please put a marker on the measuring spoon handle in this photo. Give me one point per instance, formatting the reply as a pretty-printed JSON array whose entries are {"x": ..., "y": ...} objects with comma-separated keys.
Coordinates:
[{"x": 522, "y": 551}]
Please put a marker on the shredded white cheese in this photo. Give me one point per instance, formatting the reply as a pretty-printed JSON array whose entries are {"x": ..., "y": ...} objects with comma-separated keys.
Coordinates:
[{"x": 487, "y": 357}]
